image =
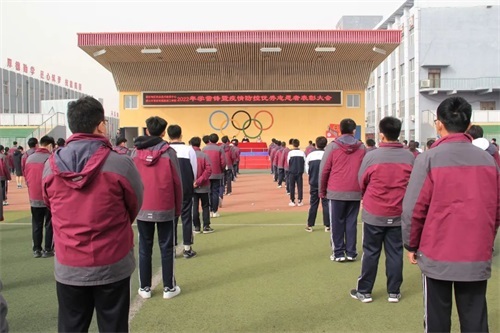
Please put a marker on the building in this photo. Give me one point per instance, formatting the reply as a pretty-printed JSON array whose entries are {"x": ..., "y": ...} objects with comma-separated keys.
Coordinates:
[
  {"x": 267, "y": 84},
  {"x": 34, "y": 106},
  {"x": 348, "y": 22},
  {"x": 451, "y": 51}
]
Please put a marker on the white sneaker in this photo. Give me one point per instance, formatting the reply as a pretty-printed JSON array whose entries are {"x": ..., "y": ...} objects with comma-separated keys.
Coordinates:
[
  {"x": 394, "y": 298},
  {"x": 171, "y": 293},
  {"x": 291, "y": 204},
  {"x": 279, "y": 186},
  {"x": 215, "y": 214},
  {"x": 145, "y": 292},
  {"x": 300, "y": 204},
  {"x": 327, "y": 229}
]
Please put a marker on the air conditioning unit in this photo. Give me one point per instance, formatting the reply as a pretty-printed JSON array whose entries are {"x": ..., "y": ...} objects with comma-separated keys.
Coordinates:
[{"x": 425, "y": 83}]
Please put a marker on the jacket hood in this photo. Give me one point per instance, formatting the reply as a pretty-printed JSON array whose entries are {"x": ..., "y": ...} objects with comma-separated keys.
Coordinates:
[
  {"x": 81, "y": 159},
  {"x": 348, "y": 143},
  {"x": 150, "y": 149}
]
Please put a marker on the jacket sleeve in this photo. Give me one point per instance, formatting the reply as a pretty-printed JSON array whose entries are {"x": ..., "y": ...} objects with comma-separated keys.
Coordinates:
[
  {"x": 207, "y": 172},
  {"x": 364, "y": 174},
  {"x": 222, "y": 156},
  {"x": 497, "y": 224},
  {"x": 416, "y": 204},
  {"x": 325, "y": 173},
  {"x": 175, "y": 171},
  {"x": 194, "y": 162},
  {"x": 134, "y": 190}
]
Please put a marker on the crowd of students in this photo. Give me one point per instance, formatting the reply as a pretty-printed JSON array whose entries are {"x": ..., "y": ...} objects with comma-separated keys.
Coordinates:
[{"x": 411, "y": 200}]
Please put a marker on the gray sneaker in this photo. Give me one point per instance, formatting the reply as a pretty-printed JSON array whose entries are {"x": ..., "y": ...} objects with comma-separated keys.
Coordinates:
[
  {"x": 394, "y": 298},
  {"x": 364, "y": 298}
]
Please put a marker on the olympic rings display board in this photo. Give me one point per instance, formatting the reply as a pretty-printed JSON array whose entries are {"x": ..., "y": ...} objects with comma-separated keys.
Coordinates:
[{"x": 241, "y": 121}]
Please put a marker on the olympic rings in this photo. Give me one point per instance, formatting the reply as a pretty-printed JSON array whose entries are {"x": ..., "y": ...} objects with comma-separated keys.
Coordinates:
[
  {"x": 210, "y": 120},
  {"x": 225, "y": 123},
  {"x": 236, "y": 125},
  {"x": 270, "y": 115},
  {"x": 241, "y": 128},
  {"x": 249, "y": 121}
]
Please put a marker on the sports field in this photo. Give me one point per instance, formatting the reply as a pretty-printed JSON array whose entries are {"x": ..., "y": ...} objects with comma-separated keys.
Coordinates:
[{"x": 259, "y": 272}]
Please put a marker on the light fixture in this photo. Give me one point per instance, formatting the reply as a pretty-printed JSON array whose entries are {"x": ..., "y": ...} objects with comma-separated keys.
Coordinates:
[
  {"x": 325, "y": 49},
  {"x": 100, "y": 52},
  {"x": 206, "y": 50},
  {"x": 379, "y": 50},
  {"x": 270, "y": 49},
  {"x": 151, "y": 51}
]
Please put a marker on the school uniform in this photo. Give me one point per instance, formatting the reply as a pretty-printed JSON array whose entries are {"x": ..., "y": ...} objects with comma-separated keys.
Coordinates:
[
  {"x": 202, "y": 191},
  {"x": 383, "y": 178},
  {"x": 313, "y": 160},
  {"x": 218, "y": 163},
  {"x": 296, "y": 165}
]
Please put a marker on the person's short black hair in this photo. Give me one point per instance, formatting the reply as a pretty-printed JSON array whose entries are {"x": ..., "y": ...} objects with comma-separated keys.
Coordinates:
[
  {"x": 2, "y": 148},
  {"x": 225, "y": 139},
  {"x": 214, "y": 138},
  {"x": 174, "y": 132},
  {"x": 32, "y": 142},
  {"x": 120, "y": 140},
  {"x": 290, "y": 142},
  {"x": 412, "y": 145},
  {"x": 195, "y": 141},
  {"x": 85, "y": 114},
  {"x": 390, "y": 127},
  {"x": 156, "y": 125},
  {"x": 296, "y": 143},
  {"x": 321, "y": 142},
  {"x": 347, "y": 126},
  {"x": 371, "y": 142},
  {"x": 47, "y": 140},
  {"x": 205, "y": 139},
  {"x": 430, "y": 142},
  {"x": 20, "y": 148},
  {"x": 475, "y": 131},
  {"x": 61, "y": 142},
  {"x": 7, "y": 149},
  {"x": 14, "y": 143},
  {"x": 405, "y": 142},
  {"x": 455, "y": 114},
  {"x": 494, "y": 140},
  {"x": 278, "y": 143},
  {"x": 310, "y": 141},
  {"x": 283, "y": 144}
]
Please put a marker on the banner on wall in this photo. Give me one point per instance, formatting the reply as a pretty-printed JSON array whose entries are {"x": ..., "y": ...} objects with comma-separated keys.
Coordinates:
[{"x": 158, "y": 99}]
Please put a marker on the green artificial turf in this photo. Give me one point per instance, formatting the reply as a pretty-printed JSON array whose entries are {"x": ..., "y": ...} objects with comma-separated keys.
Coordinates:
[{"x": 259, "y": 272}]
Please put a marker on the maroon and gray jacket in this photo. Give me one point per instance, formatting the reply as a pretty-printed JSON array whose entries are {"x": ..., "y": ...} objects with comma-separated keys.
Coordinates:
[
  {"x": 230, "y": 155},
  {"x": 217, "y": 159},
  {"x": 383, "y": 178},
  {"x": 33, "y": 175},
  {"x": 451, "y": 210},
  {"x": 280, "y": 162},
  {"x": 122, "y": 150},
  {"x": 272, "y": 154},
  {"x": 4, "y": 169},
  {"x": 94, "y": 196},
  {"x": 338, "y": 171},
  {"x": 284, "y": 158},
  {"x": 28, "y": 152},
  {"x": 309, "y": 149},
  {"x": 204, "y": 172},
  {"x": 160, "y": 172},
  {"x": 237, "y": 153}
]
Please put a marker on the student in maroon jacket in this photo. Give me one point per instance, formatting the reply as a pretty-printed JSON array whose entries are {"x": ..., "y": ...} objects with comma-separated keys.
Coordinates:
[
  {"x": 94, "y": 196},
  {"x": 201, "y": 189},
  {"x": 237, "y": 154},
  {"x": 40, "y": 214},
  {"x": 218, "y": 163},
  {"x": 383, "y": 178},
  {"x": 121, "y": 147},
  {"x": 269, "y": 151},
  {"x": 33, "y": 145},
  {"x": 286, "y": 166},
  {"x": 476, "y": 132},
  {"x": 281, "y": 164},
  {"x": 339, "y": 184},
  {"x": 228, "y": 172},
  {"x": 160, "y": 171},
  {"x": 451, "y": 214},
  {"x": 4, "y": 176}
]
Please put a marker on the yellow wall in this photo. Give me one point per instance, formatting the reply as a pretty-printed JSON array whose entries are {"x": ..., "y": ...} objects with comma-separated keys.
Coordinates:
[{"x": 302, "y": 122}]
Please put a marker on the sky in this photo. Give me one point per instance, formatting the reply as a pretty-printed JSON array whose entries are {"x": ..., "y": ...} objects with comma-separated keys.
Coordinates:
[{"x": 43, "y": 34}]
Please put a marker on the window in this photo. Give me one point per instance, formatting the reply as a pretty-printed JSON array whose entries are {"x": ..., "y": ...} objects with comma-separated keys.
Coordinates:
[
  {"x": 130, "y": 101},
  {"x": 402, "y": 72},
  {"x": 386, "y": 78},
  {"x": 435, "y": 77},
  {"x": 394, "y": 79},
  {"x": 393, "y": 112},
  {"x": 412, "y": 71},
  {"x": 402, "y": 109},
  {"x": 353, "y": 100},
  {"x": 487, "y": 105},
  {"x": 6, "y": 87}
]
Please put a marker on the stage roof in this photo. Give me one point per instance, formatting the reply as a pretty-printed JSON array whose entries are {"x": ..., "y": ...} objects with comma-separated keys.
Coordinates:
[{"x": 236, "y": 61}]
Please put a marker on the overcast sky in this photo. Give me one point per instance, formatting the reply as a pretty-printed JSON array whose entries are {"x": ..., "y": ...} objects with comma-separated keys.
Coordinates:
[{"x": 43, "y": 33}]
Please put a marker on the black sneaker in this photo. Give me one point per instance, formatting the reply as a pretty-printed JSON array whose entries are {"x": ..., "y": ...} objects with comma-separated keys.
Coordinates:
[
  {"x": 208, "y": 230},
  {"x": 37, "y": 254},
  {"x": 364, "y": 298},
  {"x": 47, "y": 254},
  {"x": 197, "y": 230},
  {"x": 189, "y": 254}
]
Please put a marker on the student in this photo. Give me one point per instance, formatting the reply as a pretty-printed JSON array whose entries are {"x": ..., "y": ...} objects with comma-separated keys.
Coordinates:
[
  {"x": 269, "y": 152},
  {"x": 33, "y": 145},
  {"x": 4, "y": 176},
  {"x": 218, "y": 163},
  {"x": 40, "y": 214},
  {"x": 201, "y": 189},
  {"x": 449, "y": 226},
  {"x": 412, "y": 147},
  {"x": 313, "y": 161},
  {"x": 121, "y": 146},
  {"x": 383, "y": 178},
  {"x": 237, "y": 154},
  {"x": 280, "y": 162},
  {"x": 159, "y": 169},
  {"x": 286, "y": 168},
  {"x": 339, "y": 184},
  {"x": 405, "y": 144},
  {"x": 245, "y": 139},
  {"x": 228, "y": 172},
  {"x": 94, "y": 197},
  {"x": 17, "y": 157},
  {"x": 476, "y": 132},
  {"x": 188, "y": 168},
  {"x": 370, "y": 145},
  {"x": 310, "y": 148},
  {"x": 276, "y": 156},
  {"x": 429, "y": 143},
  {"x": 205, "y": 139},
  {"x": 60, "y": 143},
  {"x": 296, "y": 163}
]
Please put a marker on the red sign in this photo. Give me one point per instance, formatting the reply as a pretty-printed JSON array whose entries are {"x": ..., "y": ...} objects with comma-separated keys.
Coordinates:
[
  {"x": 43, "y": 75},
  {"x": 242, "y": 98}
]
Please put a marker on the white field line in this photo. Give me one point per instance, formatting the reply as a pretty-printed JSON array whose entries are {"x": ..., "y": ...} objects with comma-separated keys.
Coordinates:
[{"x": 136, "y": 305}]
